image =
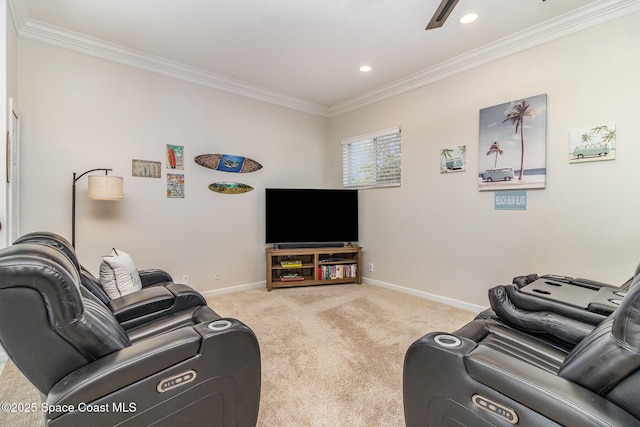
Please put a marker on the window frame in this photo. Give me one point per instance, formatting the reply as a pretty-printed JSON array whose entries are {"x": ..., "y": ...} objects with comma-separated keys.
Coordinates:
[{"x": 378, "y": 146}]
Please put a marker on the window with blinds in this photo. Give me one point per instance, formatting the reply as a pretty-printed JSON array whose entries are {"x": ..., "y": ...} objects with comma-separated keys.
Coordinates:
[{"x": 372, "y": 160}]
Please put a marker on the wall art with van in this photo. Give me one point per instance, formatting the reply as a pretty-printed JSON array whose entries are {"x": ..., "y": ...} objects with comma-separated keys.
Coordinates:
[
  {"x": 512, "y": 145},
  {"x": 453, "y": 159},
  {"x": 593, "y": 144}
]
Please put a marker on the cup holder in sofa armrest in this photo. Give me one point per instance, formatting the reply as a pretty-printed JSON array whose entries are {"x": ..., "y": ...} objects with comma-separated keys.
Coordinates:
[
  {"x": 219, "y": 325},
  {"x": 141, "y": 303},
  {"x": 447, "y": 341},
  {"x": 216, "y": 327}
]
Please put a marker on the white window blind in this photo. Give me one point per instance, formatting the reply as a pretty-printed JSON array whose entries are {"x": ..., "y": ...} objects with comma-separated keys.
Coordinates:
[{"x": 372, "y": 160}]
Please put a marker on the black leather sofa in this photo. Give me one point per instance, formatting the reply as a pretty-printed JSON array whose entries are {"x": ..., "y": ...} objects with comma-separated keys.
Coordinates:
[
  {"x": 161, "y": 305},
  {"x": 581, "y": 369},
  {"x": 74, "y": 351}
]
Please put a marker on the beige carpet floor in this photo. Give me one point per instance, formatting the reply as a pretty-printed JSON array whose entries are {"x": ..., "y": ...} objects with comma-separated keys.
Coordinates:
[{"x": 331, "y": 355}]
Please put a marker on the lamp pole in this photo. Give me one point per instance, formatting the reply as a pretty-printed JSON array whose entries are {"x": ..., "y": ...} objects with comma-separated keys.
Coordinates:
[{"x": 73, "y": 201}]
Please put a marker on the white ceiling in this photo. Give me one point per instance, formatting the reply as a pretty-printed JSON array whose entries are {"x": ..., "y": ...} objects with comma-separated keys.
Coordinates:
[{"x": 305, "y": 54}]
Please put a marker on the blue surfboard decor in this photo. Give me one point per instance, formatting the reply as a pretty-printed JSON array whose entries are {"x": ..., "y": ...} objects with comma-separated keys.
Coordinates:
[{"x": 228, "y": 163}]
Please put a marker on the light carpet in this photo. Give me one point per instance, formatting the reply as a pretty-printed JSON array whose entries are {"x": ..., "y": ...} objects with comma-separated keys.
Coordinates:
[{"x": 331, "y": 355}]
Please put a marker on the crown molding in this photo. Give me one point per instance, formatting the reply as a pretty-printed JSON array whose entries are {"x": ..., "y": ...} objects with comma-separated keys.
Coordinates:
[
  {"x": 564, "y": 25},
  {"x": 583, "y": 18},
  {"x": 53, "y": 35}
]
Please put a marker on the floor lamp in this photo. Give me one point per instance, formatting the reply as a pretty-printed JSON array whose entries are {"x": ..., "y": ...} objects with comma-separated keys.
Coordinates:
[{"x": 101, "y": 187}]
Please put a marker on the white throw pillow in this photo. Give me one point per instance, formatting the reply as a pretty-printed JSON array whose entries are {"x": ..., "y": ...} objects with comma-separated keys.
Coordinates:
[{"x": 119, "y": 275}]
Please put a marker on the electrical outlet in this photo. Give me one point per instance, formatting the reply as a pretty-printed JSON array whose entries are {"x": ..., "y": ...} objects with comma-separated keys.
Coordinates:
[
  {"x": 185, "y": 279},
  {"x": 371, "y": 266},
  {"x": 216, "y": 274}
]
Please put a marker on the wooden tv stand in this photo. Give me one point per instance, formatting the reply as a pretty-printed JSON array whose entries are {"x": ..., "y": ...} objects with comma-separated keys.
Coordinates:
[{"x": 318, "y": 266}]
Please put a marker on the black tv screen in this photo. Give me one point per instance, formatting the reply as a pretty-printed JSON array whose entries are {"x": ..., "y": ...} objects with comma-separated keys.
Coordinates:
[{"x": 311, "y": 216}]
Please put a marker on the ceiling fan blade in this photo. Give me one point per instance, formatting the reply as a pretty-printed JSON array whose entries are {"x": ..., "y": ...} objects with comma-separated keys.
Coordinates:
[{"x": 442, "y": 13}]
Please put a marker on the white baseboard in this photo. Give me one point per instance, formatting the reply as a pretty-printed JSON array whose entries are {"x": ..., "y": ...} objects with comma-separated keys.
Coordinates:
[
  {"x": 474, "y": 308},
  {"x": 238, "y": 288},
  {"x": 426, "y": 295}
]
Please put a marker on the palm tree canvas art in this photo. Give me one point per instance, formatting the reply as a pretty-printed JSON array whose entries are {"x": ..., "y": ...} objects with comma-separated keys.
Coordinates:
[
  {"x": 592, "y": 144},
  {"x": 512, "y": 146}
]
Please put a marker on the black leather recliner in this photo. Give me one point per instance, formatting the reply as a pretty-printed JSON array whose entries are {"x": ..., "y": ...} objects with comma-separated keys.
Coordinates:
[
  {"x": 489, "y": 373},
  {"x": 557, "y": 308},
  {"x": 75, "y": 352},
  {"x": 161, "y": 305}
]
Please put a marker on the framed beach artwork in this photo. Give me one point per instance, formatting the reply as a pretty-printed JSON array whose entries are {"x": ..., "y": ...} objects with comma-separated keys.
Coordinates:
[
  {"x": 512, "y": 146},
  {"x": 145, "y": 168},
  {"x": 175, "y": 156},
  {"x": 175, "y": 186},
  {"x": 453, "y": 159},
  {"x": 593, "y": 144}
]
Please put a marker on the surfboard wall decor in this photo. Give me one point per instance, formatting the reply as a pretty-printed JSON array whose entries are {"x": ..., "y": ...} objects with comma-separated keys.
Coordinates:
[
  {"x": 230, "y": 187},
  {"x": 228, "y": 163},
  {"x": 175, "y": 156},
  {"x": 171, "y": 158}
]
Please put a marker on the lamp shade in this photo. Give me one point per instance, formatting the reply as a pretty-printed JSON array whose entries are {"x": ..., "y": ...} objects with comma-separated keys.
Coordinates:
[{"x": 105, "y": 187}]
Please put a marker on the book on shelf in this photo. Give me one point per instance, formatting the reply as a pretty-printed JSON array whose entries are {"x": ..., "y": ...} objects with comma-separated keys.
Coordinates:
[
  {"x": 292, "y": 263},
  {"x": 340, "y": 271},
  {"x": 291, "y": 277}
]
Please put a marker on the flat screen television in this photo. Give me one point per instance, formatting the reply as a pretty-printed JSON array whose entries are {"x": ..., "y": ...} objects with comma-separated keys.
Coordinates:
[{"x": 298, "y": 217}]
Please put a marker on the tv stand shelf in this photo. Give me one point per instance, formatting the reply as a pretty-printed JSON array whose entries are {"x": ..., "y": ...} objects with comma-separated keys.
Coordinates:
[{"x": 318, "y": 266}]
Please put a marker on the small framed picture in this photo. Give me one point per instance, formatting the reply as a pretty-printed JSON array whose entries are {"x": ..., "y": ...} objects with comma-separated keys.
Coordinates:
[
  {"x": 175, "y": 156},
  {"x": 145, "y": 168},
  {"x": 593, "y": 144},
  {"x": 453, "y": 159},
  {"x": 175, "y": 186}
]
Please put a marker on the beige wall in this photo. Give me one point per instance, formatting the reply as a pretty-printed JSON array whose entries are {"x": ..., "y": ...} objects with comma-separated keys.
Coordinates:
[
  {"x": 438, "y": 234},
  {"x": 81, "y": 113}
]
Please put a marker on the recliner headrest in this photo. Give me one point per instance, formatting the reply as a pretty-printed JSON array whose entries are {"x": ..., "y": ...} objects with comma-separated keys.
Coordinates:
[
  {"x": 60, "y": 284},
  {"x": 51, "y": 239}
]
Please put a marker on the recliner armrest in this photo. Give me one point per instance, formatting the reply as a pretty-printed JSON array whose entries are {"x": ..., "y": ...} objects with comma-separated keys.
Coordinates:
[
  {"x": 441, "y": 379},
  {"x": 556, "y": 398},
  {"x": 137, "y": 304},
  {"x": 185, "y": 296},
  {"x": 153, "y": 276},
  {"x": 194, "y": 375},
  {"x": 125, "y": 367}
]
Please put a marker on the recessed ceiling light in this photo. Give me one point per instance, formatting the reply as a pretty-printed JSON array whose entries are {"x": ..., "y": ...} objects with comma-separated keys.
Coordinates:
[
  {"x": 469, "y": 18},
  {"x": 366, "y": 68}
]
